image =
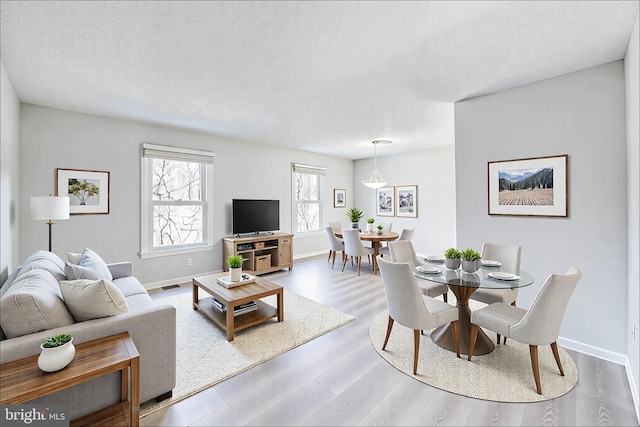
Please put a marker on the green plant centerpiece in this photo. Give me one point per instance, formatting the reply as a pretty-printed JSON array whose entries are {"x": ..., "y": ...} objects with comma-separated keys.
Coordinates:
[
  {"x": 370, "y": 222},
  {"x": 56, "y": 352},
  {"x": 380, "y": 228},
  {"x": 470, "y": 260},
  {"x": 235, "y": 267},
  {"x": 452, "y": 258},
  {"x": 355, "y": 215}
]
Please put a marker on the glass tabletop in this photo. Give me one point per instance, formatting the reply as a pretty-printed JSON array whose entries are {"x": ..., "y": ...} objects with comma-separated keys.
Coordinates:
[{"x": 485, "y": 277}]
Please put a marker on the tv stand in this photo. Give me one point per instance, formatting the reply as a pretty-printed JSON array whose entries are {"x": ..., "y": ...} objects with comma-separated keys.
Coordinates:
[{"x": 260, "y": 253}]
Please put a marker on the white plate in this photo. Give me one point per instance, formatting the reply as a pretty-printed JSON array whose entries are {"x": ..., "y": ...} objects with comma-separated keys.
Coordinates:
[
  {"x": 432, "y": 258},
  {"x": 503, "y": 276},
  {"x": 429, "y": 270},
  {"x": 490, "y": 263}
]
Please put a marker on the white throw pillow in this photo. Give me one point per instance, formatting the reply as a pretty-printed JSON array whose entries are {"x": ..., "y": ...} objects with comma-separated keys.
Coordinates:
[
  {"x": 92, "y": 299},
  {"x": 74, "y": 257},
  {"x": 93, "y": 260},
  {"x": 77, "y": 272}
]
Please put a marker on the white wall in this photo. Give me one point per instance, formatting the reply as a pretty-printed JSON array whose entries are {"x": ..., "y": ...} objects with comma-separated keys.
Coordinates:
[
  {"x": 10, "y": 119},
  {"x": 581, "y": 114},
  {"x": 632, "y": 92},
  {"x": 433, "y": 171},
  {"x": 52, "y": 138}
]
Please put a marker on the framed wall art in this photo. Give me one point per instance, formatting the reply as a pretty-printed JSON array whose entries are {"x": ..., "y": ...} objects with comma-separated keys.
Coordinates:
[
  {"x": 407, "y": 201},
  {"x": 339, "y": 198},
  {"x": 385, "y": 199},
  {"x": 88, "y": 190},
  {"x": 529, "y": 187}
]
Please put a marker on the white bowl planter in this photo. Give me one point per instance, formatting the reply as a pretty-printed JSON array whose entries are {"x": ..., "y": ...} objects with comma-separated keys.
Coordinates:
[
  {"x": 452, "y": 263},
  {"x": 55, "y": 358},
  {"x": 471, "y": 266},
  {"x": 236, "y": 274}
]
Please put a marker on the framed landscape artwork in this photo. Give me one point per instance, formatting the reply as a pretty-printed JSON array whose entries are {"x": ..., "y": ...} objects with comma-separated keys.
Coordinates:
[
  {"x": 407, "y": 201},
  {"x": 385, "y": 198},
  {"x": 88, "y": 190},
  {"x": 529, "y": 187},
  {"x": 339, "y": 198}
]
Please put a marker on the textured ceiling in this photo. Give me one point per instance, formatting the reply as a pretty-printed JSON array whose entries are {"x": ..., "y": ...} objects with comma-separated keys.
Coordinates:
[{"x": 326, "y": 77}]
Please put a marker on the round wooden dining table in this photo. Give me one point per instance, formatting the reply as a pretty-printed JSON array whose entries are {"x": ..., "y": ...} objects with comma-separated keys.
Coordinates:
[
  {"x": 376, "y": 241},
  {"x": 463, "y": 285}
]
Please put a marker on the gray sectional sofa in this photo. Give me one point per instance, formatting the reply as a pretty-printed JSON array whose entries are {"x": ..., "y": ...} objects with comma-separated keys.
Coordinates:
[{"x": 32, "y": 308}]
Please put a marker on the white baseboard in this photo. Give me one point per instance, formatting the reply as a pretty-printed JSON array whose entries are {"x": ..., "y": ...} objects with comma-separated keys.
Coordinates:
[
  {"x": 175, "y": 281},
  {"x": 634, "y": 388},
  {"x": 598, "y": 352}
]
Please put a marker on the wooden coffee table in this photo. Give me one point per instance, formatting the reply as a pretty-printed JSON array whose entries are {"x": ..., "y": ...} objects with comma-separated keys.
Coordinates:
[{"x": 233, "y": 297}]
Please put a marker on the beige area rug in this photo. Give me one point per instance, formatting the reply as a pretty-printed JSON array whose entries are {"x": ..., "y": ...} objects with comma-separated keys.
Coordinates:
[
  {"x": 504, "y": 375},
  {"x": 205, "y": 357}
]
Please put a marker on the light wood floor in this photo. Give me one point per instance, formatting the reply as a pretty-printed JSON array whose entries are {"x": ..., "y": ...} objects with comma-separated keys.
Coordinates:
[{"x": 338, "y": 379}]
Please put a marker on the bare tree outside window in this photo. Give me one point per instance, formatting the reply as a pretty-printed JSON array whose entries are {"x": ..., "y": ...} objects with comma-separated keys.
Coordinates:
[{"x": 307, "y": 194}]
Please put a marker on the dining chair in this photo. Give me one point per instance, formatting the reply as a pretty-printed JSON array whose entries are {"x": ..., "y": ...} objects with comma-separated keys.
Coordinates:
[
  {"x": 402, "y": 251},
  {"x": 335, "y": 245},
  {"x": 353, "y": 247},
  {"x": 540, "y": 325},
  {"x": 405, "y": 234},
  {"x": 410, "y": 308},
  {"x": 336, "y": 226}
]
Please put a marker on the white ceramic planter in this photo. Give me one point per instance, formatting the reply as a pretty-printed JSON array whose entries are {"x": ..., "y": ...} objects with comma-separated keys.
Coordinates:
[
  {"x": 452, "y": 263},
  {"x": 369, "y": 228},
  {"x": 55, "y": 358},
  {"x": 236, "y": 274},
  {"x": 471, "y": 266}
]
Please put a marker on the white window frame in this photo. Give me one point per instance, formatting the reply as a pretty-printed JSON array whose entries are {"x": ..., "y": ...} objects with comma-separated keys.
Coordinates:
[
  {"x": 153, "y": 151},
  {"x": 312, "y": 170}
]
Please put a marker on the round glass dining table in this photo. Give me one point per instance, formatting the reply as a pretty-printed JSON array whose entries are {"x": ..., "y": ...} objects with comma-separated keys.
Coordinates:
[{"x": 463, "y": 285}]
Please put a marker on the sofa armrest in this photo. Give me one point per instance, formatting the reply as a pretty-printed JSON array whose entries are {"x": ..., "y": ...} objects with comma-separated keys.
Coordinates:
[{"x": 121, "y": 269}]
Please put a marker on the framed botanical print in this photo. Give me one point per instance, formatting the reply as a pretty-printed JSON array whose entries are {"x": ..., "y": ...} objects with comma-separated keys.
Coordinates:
[
  {"x": 385, "y": 199},
  {"x": 407, "y": 201},
  {"x": 529, "y": 187},
  {"x": 88, "y": 190},
  {"x": 339, "y": 198}
]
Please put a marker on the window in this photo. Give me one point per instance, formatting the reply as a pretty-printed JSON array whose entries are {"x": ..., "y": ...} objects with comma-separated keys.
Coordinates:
[
  {"x": 177, "y": 200},
  {"x": 308, "y": 200}
]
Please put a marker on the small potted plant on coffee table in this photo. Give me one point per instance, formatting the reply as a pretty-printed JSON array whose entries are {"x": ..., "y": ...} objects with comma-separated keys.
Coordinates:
[
  {"x": 56, "y": 352},
  {"x": 235, "y": 267},
  {"x": 452, "y": 258},
  {"x": 370, "y": 222},
  {"x": 470, "y": 260}
]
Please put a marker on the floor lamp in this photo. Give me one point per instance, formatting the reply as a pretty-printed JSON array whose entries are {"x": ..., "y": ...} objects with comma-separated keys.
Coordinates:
[{"x": 49, "y": 208}]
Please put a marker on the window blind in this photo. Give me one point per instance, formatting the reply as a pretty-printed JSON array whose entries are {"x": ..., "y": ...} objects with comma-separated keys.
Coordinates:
[
  {"x": 314, "y": 170},
  {"x": 174, "y": 153}
]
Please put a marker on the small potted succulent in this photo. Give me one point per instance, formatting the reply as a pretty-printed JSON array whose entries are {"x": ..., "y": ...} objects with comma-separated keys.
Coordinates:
[
  {"x": 470, "y": 260},
  {"x": 452, "y": 258},
  {"x": 370, "y": 222},
  {"x": 56, "y": 352},
  {"x": 235, "y": 267},
  {"x": 355, "y": 215},
  {"x": 380, "y": 228}
]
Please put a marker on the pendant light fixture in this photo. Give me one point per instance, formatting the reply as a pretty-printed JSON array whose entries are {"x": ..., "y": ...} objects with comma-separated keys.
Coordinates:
[{"x": 375, "y": 180}]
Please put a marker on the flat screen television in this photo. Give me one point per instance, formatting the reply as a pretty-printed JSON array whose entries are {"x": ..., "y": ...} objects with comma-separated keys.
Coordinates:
[{"x": 254, "y": 216}]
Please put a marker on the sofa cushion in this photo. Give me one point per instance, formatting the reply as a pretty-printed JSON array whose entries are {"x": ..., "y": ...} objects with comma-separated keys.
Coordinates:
[
  {"x": 129, "y": 286},
  {"x": 77, "y": 272},
  {"x": 33, "y": 304},
  {"x": 93, "y": 299},
  {"x": 46, "y": 261},
  {"x": 93, "y": 260}
]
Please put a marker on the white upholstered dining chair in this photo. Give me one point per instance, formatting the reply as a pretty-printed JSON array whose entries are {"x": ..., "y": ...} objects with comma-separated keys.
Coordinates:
[
  {"x": 402, "y": 251},
  {"x": 353, "y": 247},
  {"x": 540, "y": 325},
  {"x": 410, "y": 308},
  {"x": 335, "y": 245},
  {"x": 405, "y": 234}
]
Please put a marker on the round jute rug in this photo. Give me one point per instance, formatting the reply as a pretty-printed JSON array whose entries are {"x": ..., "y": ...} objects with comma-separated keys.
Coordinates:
[{"x": 504, "y": 375}]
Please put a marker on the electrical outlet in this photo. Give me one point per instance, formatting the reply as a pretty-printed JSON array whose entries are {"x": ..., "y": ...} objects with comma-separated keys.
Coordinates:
[{"x": 189, "y": 261}]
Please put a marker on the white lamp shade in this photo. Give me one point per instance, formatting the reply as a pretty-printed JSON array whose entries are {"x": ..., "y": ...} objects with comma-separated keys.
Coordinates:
[{"x": 49, "y": 208}]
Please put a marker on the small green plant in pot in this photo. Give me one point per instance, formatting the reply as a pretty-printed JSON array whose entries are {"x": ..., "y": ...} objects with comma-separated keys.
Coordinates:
[
  {"x": 235, "y": 267},
  {"x": 470, "y": 260},
  {"x": 56, "y": 352},
  {"x": 452, "y": 258},
  {"x": 380, "y": 228},
  {"x": 355, "y": 215},
  {"x": 370, "y": 222}
]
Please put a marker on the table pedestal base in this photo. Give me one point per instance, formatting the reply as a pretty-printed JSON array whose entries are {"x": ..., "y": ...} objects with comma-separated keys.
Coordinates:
[{"x": 443, "y": 335}]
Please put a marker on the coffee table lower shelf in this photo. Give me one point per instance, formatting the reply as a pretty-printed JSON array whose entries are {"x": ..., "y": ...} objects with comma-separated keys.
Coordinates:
[
  {"x": 263, "y": 313},
  {"x": 116, "y": 415}
]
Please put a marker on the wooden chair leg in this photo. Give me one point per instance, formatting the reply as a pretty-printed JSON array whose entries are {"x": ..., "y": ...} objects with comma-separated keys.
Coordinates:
[
  {"x": 344, "y": 263},
  {"x": 389, "y": 327},
  {"x": 330, "y": 252},
  {"x": 333, "y": 261},
  {"x": 456, "y": 336},
  {"x": 554, "y": 348},
  {"x": 359, "y": 262},
  {"x": 416, "y": 350},
  {"x": 533, "y": 352},
  {"x": 472, "y": 340}
]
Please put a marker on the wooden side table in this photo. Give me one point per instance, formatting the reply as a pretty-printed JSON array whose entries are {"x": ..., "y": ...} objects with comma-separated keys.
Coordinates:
[{"x": 21, "y": 380}]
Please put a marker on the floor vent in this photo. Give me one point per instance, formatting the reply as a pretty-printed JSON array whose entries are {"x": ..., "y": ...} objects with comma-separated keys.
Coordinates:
[{"x": 164, "y": 288}]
